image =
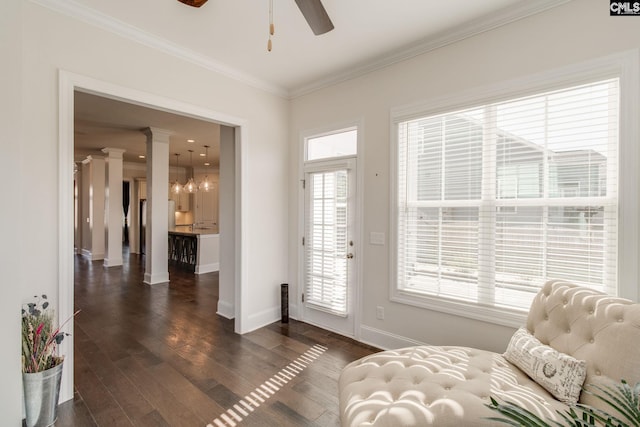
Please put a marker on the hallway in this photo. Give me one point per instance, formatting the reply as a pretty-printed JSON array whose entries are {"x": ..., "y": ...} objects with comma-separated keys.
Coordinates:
[{"x": 161, "y": 356}]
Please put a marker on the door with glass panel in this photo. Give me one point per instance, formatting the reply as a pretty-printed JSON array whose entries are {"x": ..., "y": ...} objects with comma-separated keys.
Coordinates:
[{"x": 329, "y": 247}]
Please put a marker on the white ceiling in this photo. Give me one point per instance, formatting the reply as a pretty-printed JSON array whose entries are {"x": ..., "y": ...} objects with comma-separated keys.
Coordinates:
[
  {"x": 230, "y": 36},
  {"x": 101, "y": 122}
]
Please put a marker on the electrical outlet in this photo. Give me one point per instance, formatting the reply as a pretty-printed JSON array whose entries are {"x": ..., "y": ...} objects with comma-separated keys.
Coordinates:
[{"x": 380, "y": 313}]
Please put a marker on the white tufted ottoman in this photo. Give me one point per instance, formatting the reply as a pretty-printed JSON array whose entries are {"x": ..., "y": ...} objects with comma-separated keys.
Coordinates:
[
  {"x": 450, "y": 386},
  {"x": 431, "y": 385}
]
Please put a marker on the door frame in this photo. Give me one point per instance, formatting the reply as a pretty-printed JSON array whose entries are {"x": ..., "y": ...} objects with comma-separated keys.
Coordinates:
[
  {"x": 344, "y": 325},
  {"x": 68, "y": 83},
  {"x": 358, "y": 228}
]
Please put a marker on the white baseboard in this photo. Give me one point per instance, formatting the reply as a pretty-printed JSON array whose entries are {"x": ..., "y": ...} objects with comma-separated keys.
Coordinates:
[
  {"x": 226, "y": 309},
  {"x": 92, "y": 256},
  {"x": 112, "y": 262},
  {"x": 263, "y": 318},
  {"x": 207, "y": 268},
  {"x": 385, "y": 340},
  {"x": 293, "y": 311},
  {"x": 157, "y": 279}
]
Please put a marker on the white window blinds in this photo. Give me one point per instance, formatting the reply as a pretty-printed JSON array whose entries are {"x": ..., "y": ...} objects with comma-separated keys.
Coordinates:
[
  {"x": 495, "y": 200},
  {"x": 326, "y": 245}
]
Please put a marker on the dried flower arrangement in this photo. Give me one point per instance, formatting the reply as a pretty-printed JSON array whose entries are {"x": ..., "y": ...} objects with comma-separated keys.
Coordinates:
[{"x": 39, "y": 337}]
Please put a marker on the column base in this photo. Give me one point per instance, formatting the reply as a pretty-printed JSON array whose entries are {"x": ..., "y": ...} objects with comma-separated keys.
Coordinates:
[
  {"x": 156, "y": 279},
  {"x": 112, "y": 262}
]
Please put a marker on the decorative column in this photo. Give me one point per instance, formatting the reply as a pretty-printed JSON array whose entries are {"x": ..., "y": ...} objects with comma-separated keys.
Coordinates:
[
  {"x": 157, "y": 229},
  {"x": 93, "y": 189},
  {"x": 113, "y": 207},
  {"x": 78, "y": 212}
]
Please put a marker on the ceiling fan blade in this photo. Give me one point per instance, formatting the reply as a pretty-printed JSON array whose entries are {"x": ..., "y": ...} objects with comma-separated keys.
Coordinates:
[
  {"x": 316, "y": 16},
  {"x": 194, "y": 3}
]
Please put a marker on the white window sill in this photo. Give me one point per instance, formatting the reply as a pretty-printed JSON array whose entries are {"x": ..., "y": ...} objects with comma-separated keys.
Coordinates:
[{"x": 497, "y": 315}]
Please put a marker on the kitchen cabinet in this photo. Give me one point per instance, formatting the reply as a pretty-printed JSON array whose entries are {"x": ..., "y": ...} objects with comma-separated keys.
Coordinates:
[
  {"x": 184, "y": 200},
  {"x": 206, "y": 207}
]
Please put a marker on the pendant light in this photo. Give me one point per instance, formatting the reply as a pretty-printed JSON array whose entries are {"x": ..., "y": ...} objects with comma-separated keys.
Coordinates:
[
  {"x": 206, "y": 185},
  {"x": 176, "y": 187},
  {"x": 190, "y": 186}
]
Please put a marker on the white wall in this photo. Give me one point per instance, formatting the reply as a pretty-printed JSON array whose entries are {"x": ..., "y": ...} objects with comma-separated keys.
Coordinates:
[
  {"x": 569, "y": 34},
  {"x": 12, "y": 249},
  {"x": 227, "y": 223},
  {"x": 49, "y": 42}
]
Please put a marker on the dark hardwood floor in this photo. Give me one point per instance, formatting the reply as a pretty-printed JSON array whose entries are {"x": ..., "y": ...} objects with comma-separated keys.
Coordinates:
[{"x": 160, "y": 356}]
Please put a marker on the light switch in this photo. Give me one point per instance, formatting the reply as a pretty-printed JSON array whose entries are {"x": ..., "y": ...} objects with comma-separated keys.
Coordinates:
[{"x": 376, "y": 238}]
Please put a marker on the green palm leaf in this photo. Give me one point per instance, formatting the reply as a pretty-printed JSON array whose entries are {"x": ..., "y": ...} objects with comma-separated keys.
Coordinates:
[
  {"x": 516, "y": 415},
  {"x": 622, "y": 398}
]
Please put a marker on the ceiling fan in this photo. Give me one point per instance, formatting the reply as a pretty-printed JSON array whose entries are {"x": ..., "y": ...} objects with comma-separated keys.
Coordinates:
[{"x": 312, "y": 10}]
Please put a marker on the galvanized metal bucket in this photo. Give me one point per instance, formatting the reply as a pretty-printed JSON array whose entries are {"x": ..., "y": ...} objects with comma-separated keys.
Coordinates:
[{"x": 41, "y": 392}]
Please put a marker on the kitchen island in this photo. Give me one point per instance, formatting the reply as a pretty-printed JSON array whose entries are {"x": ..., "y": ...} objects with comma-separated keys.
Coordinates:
[{"x": 197, "y": 249}]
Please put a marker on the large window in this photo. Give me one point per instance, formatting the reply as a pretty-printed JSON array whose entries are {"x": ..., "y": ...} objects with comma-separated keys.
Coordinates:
[{"x": 494, "y": 200}]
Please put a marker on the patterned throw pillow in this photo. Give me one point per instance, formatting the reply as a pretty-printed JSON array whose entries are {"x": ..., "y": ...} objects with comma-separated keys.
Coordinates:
[{"x": 559, "y": 374}]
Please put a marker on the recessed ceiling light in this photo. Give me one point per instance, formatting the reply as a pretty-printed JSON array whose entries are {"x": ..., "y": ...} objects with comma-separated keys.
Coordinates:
[
  {"x": 191, "y": 140},
  {"x": 141, "y": 156},
  {"x": 207, "y": 164}
]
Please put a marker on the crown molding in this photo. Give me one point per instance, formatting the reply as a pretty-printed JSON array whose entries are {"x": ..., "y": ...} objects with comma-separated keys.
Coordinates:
[
  {"x": 486, "y": 23},
  {"x": 483, "y": 24},
  {"x": 92, "y": 17}
]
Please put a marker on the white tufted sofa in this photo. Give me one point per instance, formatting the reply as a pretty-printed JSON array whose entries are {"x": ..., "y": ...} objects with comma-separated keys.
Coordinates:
[{"x": 450, "y": 386}]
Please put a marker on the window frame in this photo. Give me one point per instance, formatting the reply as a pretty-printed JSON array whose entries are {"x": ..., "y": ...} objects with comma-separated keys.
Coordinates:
[
  {"x": 333, "y": 131},
  {"x": 624, "y": 66}
]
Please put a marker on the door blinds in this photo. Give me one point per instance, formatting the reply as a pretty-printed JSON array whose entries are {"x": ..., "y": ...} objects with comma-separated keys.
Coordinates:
[
  {"x": 326, "y": 247},
  {"x": 495, "y": 200}
]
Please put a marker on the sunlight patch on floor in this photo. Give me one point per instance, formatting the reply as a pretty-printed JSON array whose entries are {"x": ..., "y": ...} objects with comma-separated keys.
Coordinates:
[{"x": 234, "y": 415}]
